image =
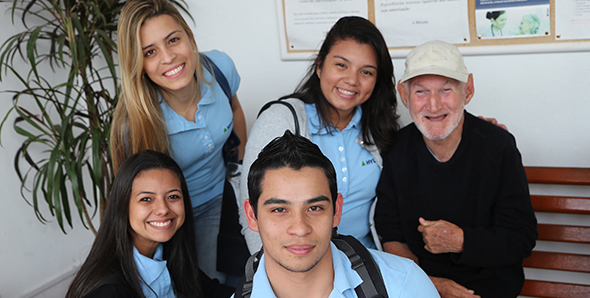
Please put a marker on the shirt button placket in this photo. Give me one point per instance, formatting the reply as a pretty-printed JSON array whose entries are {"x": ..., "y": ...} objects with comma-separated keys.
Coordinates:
[
  {"x": 204, "y": 134},
  {"x": 343, "y": 163}
]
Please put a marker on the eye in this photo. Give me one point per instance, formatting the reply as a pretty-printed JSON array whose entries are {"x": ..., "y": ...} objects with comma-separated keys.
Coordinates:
[
  {"x": 173, "y": 40},
  {"x": 366, "y": 72},
  {"x": 149, "y": 53},
  {"x": 174, "y": 197},
  {"x": 340, "y": 65},
  {"x": 145, "y": 199},
  {"x": 279, "y": 210},
  {"x": 315, "y": 208}
]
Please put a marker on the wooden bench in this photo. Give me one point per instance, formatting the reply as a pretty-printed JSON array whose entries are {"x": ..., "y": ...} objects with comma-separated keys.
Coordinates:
[{"x": 559, "y": 233}]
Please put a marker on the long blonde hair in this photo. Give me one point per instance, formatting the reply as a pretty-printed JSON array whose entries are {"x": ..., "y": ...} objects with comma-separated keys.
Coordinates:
[{"x": 138, "y": 123}]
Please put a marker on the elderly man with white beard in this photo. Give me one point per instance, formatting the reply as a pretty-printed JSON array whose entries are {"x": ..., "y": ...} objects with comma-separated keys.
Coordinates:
[{"x": 453, "y": 195}]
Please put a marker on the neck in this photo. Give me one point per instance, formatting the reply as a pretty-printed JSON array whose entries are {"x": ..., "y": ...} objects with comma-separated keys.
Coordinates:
[
  {"x": 445, "y": 149},
  {"x": 315, "y": 283},
  {"x": 184, "y": 101},
  {"x": 341, "y": 120}
]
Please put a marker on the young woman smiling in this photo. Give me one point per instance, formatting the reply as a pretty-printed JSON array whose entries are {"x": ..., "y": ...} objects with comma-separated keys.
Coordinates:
[
  {"x": 145, "y": 246},
  {"x": 347, "y": 106},
  {"x": 172, "y": 104}
]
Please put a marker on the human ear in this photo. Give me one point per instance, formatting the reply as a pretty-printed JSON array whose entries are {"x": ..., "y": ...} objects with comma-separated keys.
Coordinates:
[
  {"x": 403, "y": 92},
  {"x": 469, "y": 89},
  {"x": 250, "y": 216},
  {"x": 337, "y": 211}
]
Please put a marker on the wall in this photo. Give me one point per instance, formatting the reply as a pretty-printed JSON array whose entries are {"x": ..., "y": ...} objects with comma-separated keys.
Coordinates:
[{"x": 541, "y": 97}]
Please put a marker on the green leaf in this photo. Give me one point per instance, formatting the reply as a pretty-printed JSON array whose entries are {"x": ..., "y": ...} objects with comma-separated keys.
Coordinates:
[{"x": 31, "y": 46}]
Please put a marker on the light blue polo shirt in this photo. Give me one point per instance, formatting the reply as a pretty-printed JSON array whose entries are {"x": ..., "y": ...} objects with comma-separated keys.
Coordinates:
[
  {"x": 402, "y": 277},
  {"x": 357, "y": 172},
  {"x": 196, "y": 146},
  {"x": 154, "y": 274}
]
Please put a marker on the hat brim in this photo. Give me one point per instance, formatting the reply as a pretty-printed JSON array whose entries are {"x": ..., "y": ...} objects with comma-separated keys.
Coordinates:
[{"x": 459, "y": 76}]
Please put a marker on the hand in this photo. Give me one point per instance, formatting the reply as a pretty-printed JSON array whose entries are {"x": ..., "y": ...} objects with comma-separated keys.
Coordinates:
[
  {"x": 494, "y": 121},
  {"x": 450, "y": 289},
  {"x": 441, "y": 236}
]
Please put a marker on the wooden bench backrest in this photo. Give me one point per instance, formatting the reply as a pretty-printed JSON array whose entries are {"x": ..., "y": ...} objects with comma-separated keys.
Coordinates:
[{"x": 560, "y": 233}]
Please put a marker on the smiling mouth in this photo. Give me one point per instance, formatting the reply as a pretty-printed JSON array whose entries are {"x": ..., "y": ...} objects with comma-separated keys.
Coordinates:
[
  {"x": 174, "y": 71},
  {"x": 345, "y": 92},
  {"x": 436, "y": 118},
  {"x": 160, "y": 224}
]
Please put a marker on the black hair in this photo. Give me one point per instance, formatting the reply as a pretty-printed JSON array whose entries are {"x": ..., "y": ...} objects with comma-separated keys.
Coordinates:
[
  {"x": 289, "y": 151},
  {"x": 492, "y": 15},
  {"x": 112, "y": 250},
  {"x": 379, "y": 119}
]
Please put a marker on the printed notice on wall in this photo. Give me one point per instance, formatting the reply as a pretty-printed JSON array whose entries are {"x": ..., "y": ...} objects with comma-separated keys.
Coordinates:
[
  {"x": 406, "y": 23},
  {"x": 308, "y": 21},
  {"x": 572, "y": 19}
]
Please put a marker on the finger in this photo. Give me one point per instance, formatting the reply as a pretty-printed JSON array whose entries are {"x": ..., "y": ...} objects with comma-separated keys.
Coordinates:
[{"x": 425, "y": 222}]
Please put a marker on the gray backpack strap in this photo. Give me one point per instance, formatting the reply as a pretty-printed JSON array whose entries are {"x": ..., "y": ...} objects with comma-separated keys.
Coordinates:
[
  {"x": 244, "y": 287},
  {"x": 363, "y": 263},
  {"x": 289, "y": 106}
]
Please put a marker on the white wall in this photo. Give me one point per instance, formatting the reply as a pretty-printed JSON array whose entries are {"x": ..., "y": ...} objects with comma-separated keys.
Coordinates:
[{"x": 541, "y": 97}]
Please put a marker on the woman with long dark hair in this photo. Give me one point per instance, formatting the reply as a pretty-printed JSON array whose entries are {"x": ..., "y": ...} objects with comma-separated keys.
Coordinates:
[
  {"x": 172, "y": 102},
  {"x": 347, "y": 106},
  {"x": 145, "y": 246}
]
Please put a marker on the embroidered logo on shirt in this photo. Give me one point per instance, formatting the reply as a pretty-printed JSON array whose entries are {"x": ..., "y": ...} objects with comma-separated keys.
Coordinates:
[
  {"x": 368, "y": 162},
  {"x": 229, "y": 126}
]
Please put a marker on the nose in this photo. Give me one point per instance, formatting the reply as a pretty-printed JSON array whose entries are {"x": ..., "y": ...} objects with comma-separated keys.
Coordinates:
[
  {"x": 352, "y": 78},
  {"x": 299, "y": 225},
  {"x": 161, "y": 207},
  {"x": 167, "y": 56},
  {"x": 434, "y": 103}
]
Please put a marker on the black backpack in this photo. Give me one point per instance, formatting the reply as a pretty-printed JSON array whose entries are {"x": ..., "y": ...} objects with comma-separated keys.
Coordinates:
[{"x": 360, "y": 258}]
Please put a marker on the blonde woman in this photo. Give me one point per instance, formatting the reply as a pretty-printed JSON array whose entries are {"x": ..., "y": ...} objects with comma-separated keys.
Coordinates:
[{"x": 173, "y": 104}]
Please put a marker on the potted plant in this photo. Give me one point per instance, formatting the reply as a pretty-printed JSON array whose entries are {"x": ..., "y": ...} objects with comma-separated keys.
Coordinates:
[{"x": 64, "y": 161}]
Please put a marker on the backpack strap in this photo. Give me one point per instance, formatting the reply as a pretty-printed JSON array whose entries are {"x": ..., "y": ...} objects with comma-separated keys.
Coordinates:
[
  {"x": 244, "y": 287},
  {"x": 363, "y": 263},
  {"x": 219, "y": 77},
  {"x": 230, "y": 148},
  {"x": 288, "y": 105}
]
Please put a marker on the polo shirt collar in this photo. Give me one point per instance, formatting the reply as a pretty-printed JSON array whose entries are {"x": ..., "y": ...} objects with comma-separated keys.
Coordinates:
[
  {"x": 150, "y": 269},
  {"x": 345, "y": 278},
  {"x": 314, "y": 121}
]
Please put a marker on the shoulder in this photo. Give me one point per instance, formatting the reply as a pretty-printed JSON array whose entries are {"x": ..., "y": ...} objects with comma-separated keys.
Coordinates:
[
  {"x": 277, "y": 112},
  {"x": 403, "y": 140},
  {"x": 112, "y": 286},
  {"x": 487, "y": 134},
  {"x": 222, "y": 60},
  {"x": 388, "y": 263},
  {"x": 402, "y": 277},
  {"x": 218, "y": 56}
]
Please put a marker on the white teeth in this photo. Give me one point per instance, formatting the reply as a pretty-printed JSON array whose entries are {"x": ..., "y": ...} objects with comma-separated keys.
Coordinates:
[
  {"x": 160, "y": 224},
  {"x": 174, "y": 71},
  {"x": 346, "y": 92}
]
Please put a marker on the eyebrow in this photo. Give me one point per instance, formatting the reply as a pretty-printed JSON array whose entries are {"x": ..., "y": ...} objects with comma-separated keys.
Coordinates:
[
  {"x": 368, "y": 65},
  {"x": 151, "y": 192},
  {"x": 277, "y": 201},
  {"x": 165, "y": 38}
]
